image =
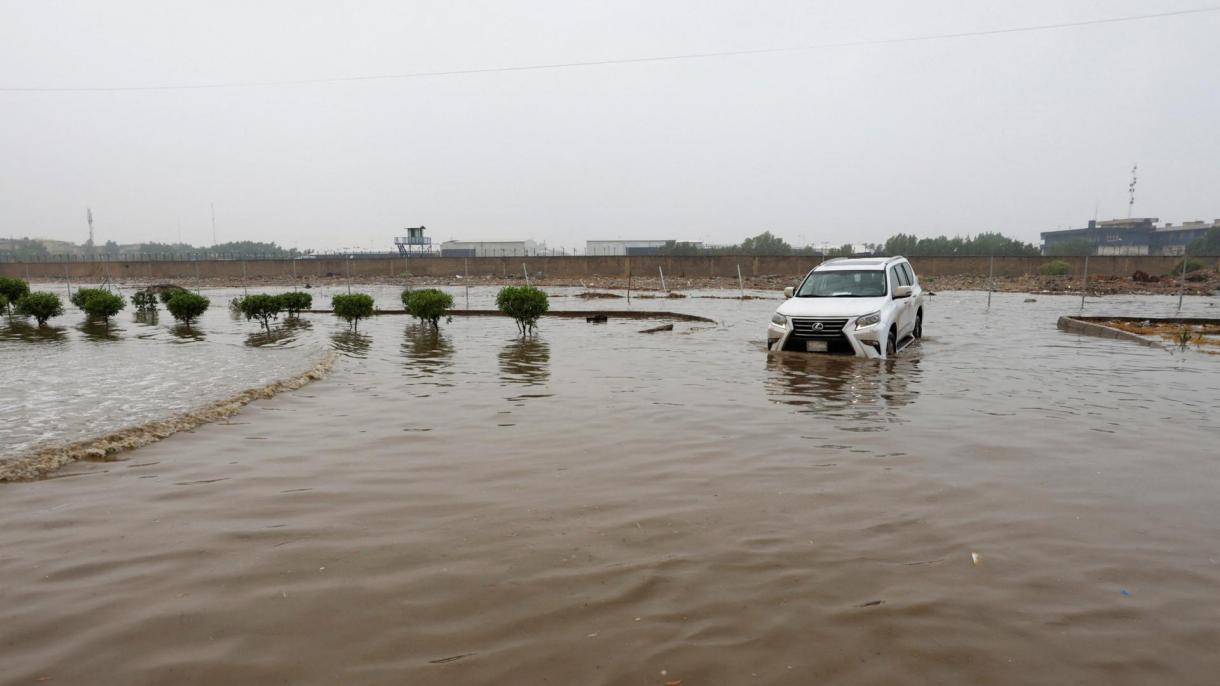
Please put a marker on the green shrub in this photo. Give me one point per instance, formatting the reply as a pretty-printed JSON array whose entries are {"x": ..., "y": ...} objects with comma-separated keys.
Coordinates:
[
  {"x": 145, "y": 300},
  {"x": 186, "y": 306},
  {"x": 352, "y": 307},
  {"x": 262, "y": 307},
  {"x": 3, "y": 302},
  {"x": 1191, "y": 266},
  {"x": 1055, "y": 268},
  {"x": 427, "y": 304},
  {"x": 13, "y": 288},
  {"x": 40, "y": 305},
  {"x": 167, "y": 292},
  {"x": 295, "y": 302},
  {"x": 525, "y": 304},
  {"x": 98, "y": 303}
]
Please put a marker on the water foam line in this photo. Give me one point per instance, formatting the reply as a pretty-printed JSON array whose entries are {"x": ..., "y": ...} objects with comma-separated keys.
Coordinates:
[{"x": 40, "y": 462}]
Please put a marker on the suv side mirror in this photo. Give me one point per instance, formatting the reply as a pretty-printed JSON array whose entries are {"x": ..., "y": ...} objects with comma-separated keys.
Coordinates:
[
  {"x": 902, "y": 291},
  {"x": 788, "y": 292}
]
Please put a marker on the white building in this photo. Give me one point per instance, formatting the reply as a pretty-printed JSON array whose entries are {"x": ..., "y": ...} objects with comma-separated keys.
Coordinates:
[
  {"x": 491, "y": 248},
  {"x": 624, "y": 247}
]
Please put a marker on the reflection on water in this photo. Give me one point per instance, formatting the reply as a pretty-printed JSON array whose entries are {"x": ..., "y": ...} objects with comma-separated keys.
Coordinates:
[
  {"x": 845, "y": 387},
  {"x": 18, "y": 329},
  {"x": 146, "y": 318},
  {"x": 428, "y": 351},
  {"x": 286, "y": 333},
  {"x": 186, "y": 333},
  {"x": 351, "y": 343},
  {"x": 101, "y": 332},
  {"x": 526, "y": 361}
]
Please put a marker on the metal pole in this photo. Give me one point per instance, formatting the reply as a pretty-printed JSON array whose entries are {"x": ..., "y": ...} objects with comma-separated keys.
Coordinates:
[
  {"x": 466, "y": 271},
  {"x": 244, "y": 292},
  {"x": 741, "y": 284},
  {"x": 1084, "y": 289},
  {"x": 349, "y": 274},
  {"x": 1182, "y": 280},
  {"x": 990, "y": 281},
  {"x": 526, "y": 272},
  {"x": 628, "y": 282},
  {"x": 662, "y": 278},
  {"x": 68, "y": 280}
]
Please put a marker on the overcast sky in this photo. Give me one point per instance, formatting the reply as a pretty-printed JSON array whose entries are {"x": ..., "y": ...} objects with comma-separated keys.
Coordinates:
[{"x": 1018, "y": 132}]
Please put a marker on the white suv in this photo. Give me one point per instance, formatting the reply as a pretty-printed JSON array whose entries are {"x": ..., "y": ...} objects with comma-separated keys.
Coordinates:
[{"x": 871, "y": 307}]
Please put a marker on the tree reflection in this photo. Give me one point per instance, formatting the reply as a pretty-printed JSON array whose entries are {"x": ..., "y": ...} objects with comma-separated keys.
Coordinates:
[
  {"x": 428, "y": 351},
  {"x": 19, "y": 329},
  {"x": 351, "y": 343},
  {"x": 100, "y": 332},
  {"x": 526, "y": 361}
]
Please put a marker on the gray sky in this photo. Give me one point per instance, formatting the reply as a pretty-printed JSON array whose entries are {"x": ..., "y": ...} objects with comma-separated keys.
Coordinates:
[{"x": 1019, "y": 132}]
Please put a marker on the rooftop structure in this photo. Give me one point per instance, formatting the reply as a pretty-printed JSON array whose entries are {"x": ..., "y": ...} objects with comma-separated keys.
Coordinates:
[
  {"x": 1135, "y": 236},
  {"x": 491, "y": 248},
  {"x": 414, "y": 243},
  {"x": 632, "y": 247}
]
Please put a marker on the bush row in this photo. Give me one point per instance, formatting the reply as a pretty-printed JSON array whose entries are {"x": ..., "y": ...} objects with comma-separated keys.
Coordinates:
[{"x": 525, "y": 304}]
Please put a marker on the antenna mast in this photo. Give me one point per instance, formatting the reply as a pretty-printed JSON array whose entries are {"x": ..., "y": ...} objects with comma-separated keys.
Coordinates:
[
  {"x": 1131, "y": 190},
  {"x": 89, "y": 218}
]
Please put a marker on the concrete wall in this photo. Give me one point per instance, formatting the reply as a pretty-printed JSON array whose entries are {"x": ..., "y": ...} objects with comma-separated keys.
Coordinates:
[{"x": 556, "y": 267}]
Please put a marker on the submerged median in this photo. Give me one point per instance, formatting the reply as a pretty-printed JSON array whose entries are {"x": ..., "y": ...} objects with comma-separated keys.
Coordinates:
[{"x": 39, "y": 462}]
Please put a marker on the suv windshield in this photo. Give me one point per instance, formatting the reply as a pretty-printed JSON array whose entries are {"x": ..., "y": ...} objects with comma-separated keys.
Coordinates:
[{"x": 843, "y": 284}]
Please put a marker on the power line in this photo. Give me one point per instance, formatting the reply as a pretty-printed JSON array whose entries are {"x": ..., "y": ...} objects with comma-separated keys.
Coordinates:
[{"x": 598, "y": 63}]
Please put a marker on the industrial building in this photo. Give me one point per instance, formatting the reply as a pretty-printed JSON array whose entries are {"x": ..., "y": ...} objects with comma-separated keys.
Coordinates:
[
  {"x": 491, "y": 248},
  {"x": 652, "y": 247},
  {"x": 1138, "y": 236}
]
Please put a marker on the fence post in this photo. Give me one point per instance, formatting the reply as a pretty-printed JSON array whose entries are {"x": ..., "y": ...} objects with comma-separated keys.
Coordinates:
[
  {"x": 741, "y": 286},
  {"x": 1182, "y": 281},
  {"x": 990, "y": 280},
  {"x": 1084, "y": 288},
  {"x": 527, "y": 274},
  {"x": 660, "y": 269}
]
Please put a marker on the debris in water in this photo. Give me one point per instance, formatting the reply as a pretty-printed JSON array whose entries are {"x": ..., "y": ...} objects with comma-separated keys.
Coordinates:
[
  {"x": 454, "y": 658},
  {"x": 655, "y": 329},
  {"x": 1125, "y": 592},
  {"x": 596, "y": 319},
  {"x": 871, "y": 603},
  {"x": 975, "y": 558}
]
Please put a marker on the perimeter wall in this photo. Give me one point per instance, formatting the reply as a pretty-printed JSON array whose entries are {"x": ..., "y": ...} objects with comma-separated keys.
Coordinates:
[{"x": 574, "y": 267}]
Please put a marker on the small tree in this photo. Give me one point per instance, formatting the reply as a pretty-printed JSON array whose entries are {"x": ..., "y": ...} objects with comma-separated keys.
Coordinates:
[
  {"x": 294, "y": 302},
  {"x": 3, "y": 302},
  {"x": 352, "y": 307},
  {"x": 98, "y": 303},
  {"x": 40, "y": 305},
  {"x": 1055, "y": 268},
  {"x": 145, "y": 300},
  {"x": 12, "y": 289},
  {"x": 427, "y": 304},
  {"x": 186, "y": 306},
  {"x": 167, "y": 292},
  {"x": 262, "y": 307},
  {"x": 525, "y": 304}
]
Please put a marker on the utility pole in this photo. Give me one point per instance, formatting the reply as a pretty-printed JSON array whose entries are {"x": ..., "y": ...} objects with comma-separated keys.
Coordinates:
[
  {"x": 1131, "y": 190},
  {"x": 89, "y": 218},
  {"x": 213, "y": 224}
]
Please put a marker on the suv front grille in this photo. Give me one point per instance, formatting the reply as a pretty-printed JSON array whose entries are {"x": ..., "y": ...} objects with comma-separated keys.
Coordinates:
[{"x": 817, "y": 329}]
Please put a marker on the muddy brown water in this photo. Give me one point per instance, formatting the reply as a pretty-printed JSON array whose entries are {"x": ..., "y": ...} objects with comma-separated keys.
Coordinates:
[{"x": 597, "y": 506}]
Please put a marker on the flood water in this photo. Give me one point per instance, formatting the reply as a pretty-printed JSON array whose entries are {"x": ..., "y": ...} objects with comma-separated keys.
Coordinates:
[{"x": 1005, "y": 503}]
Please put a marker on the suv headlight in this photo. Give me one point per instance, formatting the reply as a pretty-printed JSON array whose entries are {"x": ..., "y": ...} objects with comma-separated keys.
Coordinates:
[
  {"x": 870, "y": 319},
  {"x": 779, "y": 319}
]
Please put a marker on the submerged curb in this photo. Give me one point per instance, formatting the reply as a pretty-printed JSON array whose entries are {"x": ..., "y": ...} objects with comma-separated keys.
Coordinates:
[
  {"x": 40, "y": 462},
  {"x": 569, "y": 314}
]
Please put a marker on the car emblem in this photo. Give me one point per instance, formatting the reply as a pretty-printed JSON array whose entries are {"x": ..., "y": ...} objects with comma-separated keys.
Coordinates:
[{"x": 817, "y": 326}]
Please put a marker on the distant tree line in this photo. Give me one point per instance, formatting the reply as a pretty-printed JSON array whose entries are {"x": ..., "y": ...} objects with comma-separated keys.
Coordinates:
[{"x": 767, "y": 243}]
